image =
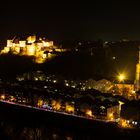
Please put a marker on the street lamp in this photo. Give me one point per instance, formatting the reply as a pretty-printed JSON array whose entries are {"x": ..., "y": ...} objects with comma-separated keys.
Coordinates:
[{"x": 121, "y": 77}]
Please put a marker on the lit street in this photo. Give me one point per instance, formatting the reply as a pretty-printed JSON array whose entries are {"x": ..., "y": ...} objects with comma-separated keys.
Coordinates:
[{"x": 64, "y": 113}]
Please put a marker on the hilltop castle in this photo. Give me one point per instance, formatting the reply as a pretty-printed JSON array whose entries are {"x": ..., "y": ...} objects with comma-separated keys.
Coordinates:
[{"x": 39, "y": 48}]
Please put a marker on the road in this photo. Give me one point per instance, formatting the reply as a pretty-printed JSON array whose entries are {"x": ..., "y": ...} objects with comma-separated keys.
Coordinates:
[{"x": 64, "y": 113}]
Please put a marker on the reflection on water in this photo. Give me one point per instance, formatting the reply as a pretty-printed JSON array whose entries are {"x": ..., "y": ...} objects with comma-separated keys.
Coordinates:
[
  {"x": 12, "y": 130},
  {"x": 15, "y": 131},
  {"x": 25, "y": 124},
  {"x": 69, "y": 138}
]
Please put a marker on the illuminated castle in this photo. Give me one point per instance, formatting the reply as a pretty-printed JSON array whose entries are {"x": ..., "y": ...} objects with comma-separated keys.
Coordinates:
[
  {"x": 31, "y": 47},
  {"x": 137, "y": 77}
]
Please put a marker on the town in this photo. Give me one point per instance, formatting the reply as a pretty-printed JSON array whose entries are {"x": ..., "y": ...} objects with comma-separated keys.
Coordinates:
[{"x": 101, "y": 99}]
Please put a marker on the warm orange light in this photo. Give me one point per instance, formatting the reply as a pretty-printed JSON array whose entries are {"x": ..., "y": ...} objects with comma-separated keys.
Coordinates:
[
  {"x": 124, "y": 123},
  {"x": 110, "y": 116},
  {"x": 17, "y": 50},
  {"x": 9, "y": 43},
  {"x": 3, "y": 97},
  {"x": 89, "y": 112},
  {"x": 40, "y": 102},
  {"x": 53, "y": 103},
  {"x": 30, "y": 50},
  {"x": 5, "y": 50},
  {"x": 46, "y": 44},
  {"x": 31, "y": 39},
  {"x": 56, "y": 105},
  {"x": 121, "y": 77},
  {"x": 44, "y": 56},
  {"x": 22, "y": 43},
  {"x": 69, "y": 108}
]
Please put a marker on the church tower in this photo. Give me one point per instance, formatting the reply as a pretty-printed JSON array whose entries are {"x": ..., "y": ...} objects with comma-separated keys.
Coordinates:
[{"x": 137, "y": 76}]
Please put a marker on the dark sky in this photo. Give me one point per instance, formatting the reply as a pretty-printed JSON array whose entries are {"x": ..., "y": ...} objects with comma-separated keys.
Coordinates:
[{"x": 72, "y": 20}]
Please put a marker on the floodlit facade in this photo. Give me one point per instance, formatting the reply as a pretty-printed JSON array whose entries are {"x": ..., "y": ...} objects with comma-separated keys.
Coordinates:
[
  {"x": 40, "y": 48},
  {"x": 113, "y": 112},
  {"x": 137, "y": 76}
]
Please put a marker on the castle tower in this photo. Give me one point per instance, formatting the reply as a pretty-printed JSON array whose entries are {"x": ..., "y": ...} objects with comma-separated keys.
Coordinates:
[{"x": 137, "y": 76}]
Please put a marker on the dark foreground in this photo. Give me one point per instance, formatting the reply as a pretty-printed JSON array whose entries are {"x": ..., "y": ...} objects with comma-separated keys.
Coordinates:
[{"x": 19, "y": 123}]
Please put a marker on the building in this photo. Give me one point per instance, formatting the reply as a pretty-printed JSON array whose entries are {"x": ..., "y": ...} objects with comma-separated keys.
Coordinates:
[
  {"x": 137, "y": 76},
  {"x": 130, "y": 115},
  {"x": 124, "y": 89},
  {"x": 100, "y": 107},
  {"x": 32, "y": 47}
]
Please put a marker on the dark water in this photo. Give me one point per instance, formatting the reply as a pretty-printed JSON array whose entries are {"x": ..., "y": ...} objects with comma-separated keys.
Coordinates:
[{"x": 17, "y": 123}]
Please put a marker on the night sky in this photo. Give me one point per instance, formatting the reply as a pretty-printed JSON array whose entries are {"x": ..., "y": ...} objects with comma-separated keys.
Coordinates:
[{"x": 61, "y": 21}]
